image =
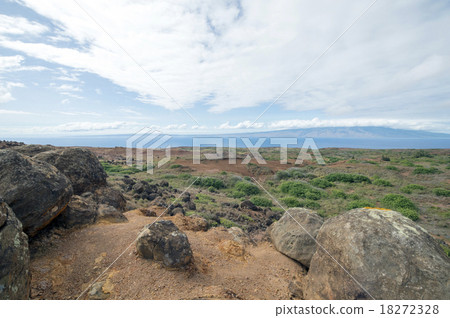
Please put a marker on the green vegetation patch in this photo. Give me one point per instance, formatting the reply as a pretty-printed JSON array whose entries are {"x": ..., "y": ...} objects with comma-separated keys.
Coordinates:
[
  {"x": 110, "y": 168},
  {"x": 261, "y": 201},
  {"x": 360, "y": 203},
  {"x": 411, "y": 187},
  {"x": 347, "y": 177},
  {"x": 423, "y": 170},
  {"x": 382, "y": 183},
  {"x": 300, "y": 190},
  {"x": 401, "y": 204},
  {"x": 247, "y": 188},
  {"x": 227, "y": 223},
  {"x": 441, "y": 192},
  {"x": 207, "y": 182},
  {"x": 321, "y": 183}
]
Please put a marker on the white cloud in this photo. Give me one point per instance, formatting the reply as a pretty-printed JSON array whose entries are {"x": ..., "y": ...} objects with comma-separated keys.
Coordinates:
[
  {"x": 13, "y": 112},
  {"x": 20, "y": 26},
  {"x": 6, "y": 89},
  {"x": 76, "y": 113},
  {"x": 130, "y": 111},
  {"x": 88, "y": 126},
  {"x": 242, "y": 125},
  {"x": 175, "y": 126}
]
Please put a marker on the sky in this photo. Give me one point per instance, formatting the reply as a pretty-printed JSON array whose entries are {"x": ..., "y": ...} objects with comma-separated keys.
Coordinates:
[{"x": 77, "y": 67}]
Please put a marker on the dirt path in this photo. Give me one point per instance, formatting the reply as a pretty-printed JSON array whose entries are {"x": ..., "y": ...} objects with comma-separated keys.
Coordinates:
[{"x": 70, "y": 265}]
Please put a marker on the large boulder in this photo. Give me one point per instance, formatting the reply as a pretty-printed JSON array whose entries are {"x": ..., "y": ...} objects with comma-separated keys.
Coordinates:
[
  {"x": 80, "y": 211},
  {"x": 14, "y": 256},
  {"x": 386, "y": 253},
  {"x": 295, "y": 233},
  {"x": 163, "y": 241},
  {"x": 32, "y": 150},
  {"x": 81, "y": 166},
  {"x": 36, "y": 191}
]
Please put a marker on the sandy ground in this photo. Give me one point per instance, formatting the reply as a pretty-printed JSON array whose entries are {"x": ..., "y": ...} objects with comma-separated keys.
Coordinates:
[{"x": 76, "y": 259}]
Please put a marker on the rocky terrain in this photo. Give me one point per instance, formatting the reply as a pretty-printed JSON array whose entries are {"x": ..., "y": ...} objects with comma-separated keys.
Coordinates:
[{"x": 78, "y": 223}]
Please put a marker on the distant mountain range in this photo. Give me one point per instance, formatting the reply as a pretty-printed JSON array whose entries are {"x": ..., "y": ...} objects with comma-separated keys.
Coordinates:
[{"x": 347, "y": 132}]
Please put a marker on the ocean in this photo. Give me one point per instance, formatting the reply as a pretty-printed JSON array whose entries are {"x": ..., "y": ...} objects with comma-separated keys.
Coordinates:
[{"x": 111, "y": 141}]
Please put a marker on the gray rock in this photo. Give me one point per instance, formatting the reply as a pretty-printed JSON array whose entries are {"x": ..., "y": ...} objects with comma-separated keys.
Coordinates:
[
  {"x": 247, "y": 204},
  {"x": 80, "y": 211},
  {"x": 81, "y": 166},
  {"x": 163, "y": 241},
  {"x": 290, "y": 238},
  {"x": 190, "y": 206},
  {"x": 15, "y": 276},
  {"x": 387, "y": 253},
  {"x": 36, "y": 191}
]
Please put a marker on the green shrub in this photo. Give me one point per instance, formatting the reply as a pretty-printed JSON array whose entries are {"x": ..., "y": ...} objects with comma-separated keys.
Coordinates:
[
  {"x": 441, "y": 192},
  {"x": 411, "y": 187},
  {"x": 110, "y": 168},
  {"x": 338, "y": 194},
  {"x": 203, "y": 198},
  {"x": 260, "y": 201},
  {"x": 247, "y": 187},
  {"x": 361, "y": 203},
  {"x": 311, "y": 205},
  {"x": 223, "y": 173},
  {"x": 321, "y": 183},
  {"x": 212, "y": 189},
  {"x": 227, "y": 223},
  {"x": 207, "y": 182},
  {"x": 393, "y": 168},
  {"x": 422, "y": 153},
  {"x": 247, "y": 218},
  {"x": 401, "y": 204},
  {"x": 347, "y": 177},
  {"x": 237, "y": 194},
  {"x": 423, "y": 170},
  {"x": 291, "y": 202},
  {"x": 175, "y": 166},
  {"x": 382, "y": 182},
  {"x": 300, "y": 190},
  {"x": 385, "y": 158}
]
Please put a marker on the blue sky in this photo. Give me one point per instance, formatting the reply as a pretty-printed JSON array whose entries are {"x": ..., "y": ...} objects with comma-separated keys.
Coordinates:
[{"x": 63, "y": 69}]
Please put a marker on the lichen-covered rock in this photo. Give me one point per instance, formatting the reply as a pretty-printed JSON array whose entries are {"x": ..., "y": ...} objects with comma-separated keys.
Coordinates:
[
  {"x": 294, "y": 234},
  {"x": 81, "y": 166},
  {"x": 36, "y": 191},
  {"x": 387, "y": 253},
  {"x": 14, "y": 256},
  {"x": 163, "y": 241}
]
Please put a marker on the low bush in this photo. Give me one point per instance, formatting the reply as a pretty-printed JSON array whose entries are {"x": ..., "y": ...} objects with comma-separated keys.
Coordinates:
[
  {"x": 300, "y": 190},
  {"x": 260, "y": 201},
  {"x": 291, "y": 202},
  {"x": 423, "y": 170},
  {"x": 227, "y": 223},
  {"x": 110, "y": 168},
  {"x": 422, "y": 153},
  {"x": 411, "y": 187},
  {"x": 347, "y": 177},
  {"x": 175, "y": 166},
  {"x": 321, "y": 183},
  {"x": 382, "y": 182},
  {"x": 401, "y": 204},
  {"x": 393, "y": 168},
  {"x": 207, "y": 182},
  {"x": 361, "y": 203},
  {"x": 441, "y": 192},
  {"x": 247, "y": 188},
  {"x": 338, "y": 194}
]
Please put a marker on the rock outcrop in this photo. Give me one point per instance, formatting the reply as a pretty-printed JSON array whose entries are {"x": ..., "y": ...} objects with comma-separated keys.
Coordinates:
[
  {"x": 81, "y": 166},
  {"x": 14, "y": 256},
  {"x": 111, "y": 197},
  {"x": 163, "y": 241},
  {"x": 385, "y": 252},
  {"x": 294, "y": 234},
  {"x": 36, "y": 191},
  {"x": 32, "y": 150}
]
